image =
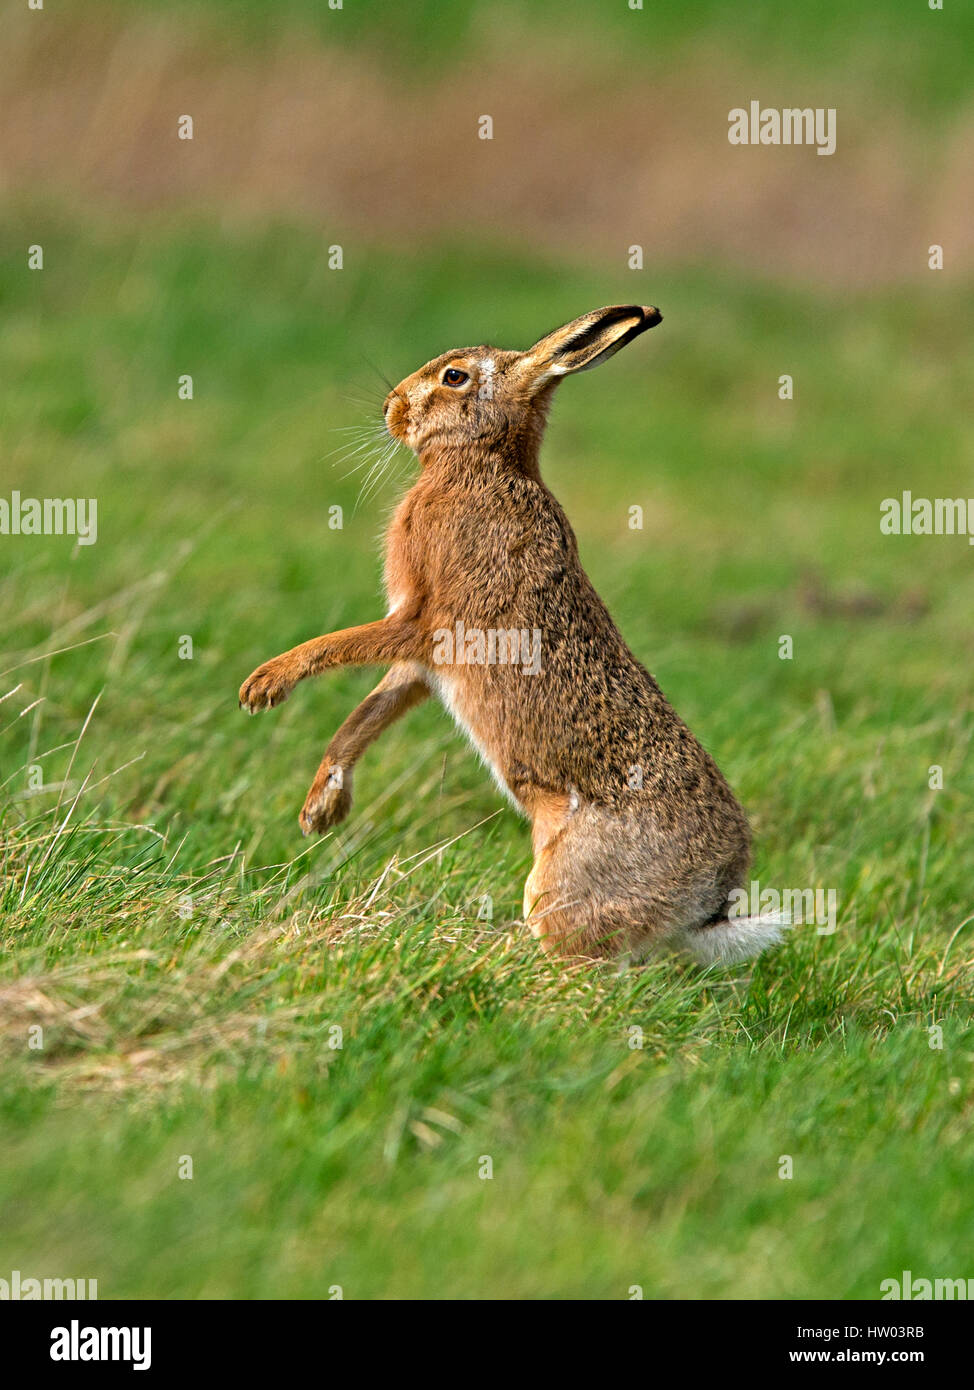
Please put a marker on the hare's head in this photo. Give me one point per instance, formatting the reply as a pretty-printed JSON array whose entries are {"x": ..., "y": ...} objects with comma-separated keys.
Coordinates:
[{"x": 490, "y": 397}]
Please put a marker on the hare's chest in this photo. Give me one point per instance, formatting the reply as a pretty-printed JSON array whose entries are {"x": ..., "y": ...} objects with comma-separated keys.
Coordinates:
[
  {"x": 405, "y": 566},
  {"x": 456, "y": 698}
]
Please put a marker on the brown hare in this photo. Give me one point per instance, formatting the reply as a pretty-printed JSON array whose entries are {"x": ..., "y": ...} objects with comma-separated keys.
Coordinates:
[{"x": 638, "y": 840}]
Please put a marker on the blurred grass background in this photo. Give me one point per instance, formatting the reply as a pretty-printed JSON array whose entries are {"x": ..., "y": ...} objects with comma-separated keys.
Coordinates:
[{"x": 185, "y": 953}]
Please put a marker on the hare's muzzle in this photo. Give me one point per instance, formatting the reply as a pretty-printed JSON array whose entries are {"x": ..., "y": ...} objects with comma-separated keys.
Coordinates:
[{"x": 395, "y": 410}]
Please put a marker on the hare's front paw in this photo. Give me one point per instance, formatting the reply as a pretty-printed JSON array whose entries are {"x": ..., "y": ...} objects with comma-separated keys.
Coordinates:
[
  {"x": 328, "y": 802},
  {"x": 269, "y": 685}
]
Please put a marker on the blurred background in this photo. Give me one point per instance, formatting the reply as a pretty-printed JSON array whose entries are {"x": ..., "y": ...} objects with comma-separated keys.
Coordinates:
[
  {"x": 609, "y": 124},
  {"x": 358, "y": 127}
]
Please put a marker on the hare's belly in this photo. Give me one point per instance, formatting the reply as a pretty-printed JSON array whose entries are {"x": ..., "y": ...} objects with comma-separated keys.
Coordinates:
[{"x": 450, "y": 689}]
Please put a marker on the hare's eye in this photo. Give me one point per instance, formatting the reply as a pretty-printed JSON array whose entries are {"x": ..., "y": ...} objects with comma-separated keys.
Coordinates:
[{"x": 454, "y": 377}]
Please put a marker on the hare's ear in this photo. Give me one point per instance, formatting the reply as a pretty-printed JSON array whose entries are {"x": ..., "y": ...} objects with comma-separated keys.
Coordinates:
[{"x": 587, "y": 341}]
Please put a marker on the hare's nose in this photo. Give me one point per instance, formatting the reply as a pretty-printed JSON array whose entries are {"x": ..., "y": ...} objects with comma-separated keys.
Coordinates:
[{"x": 394, "y": 410}]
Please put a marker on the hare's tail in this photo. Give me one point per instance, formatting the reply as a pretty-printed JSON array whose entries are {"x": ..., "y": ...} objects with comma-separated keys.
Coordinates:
[{"x": 734, "y": 938}]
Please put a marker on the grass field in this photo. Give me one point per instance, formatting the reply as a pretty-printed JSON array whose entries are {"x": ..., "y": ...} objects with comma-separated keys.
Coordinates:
[{"x": 189, "y": 957}]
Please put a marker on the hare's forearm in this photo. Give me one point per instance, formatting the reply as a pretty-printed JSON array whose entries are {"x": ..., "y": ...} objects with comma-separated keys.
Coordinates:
[{"x": 372, "y": 644}]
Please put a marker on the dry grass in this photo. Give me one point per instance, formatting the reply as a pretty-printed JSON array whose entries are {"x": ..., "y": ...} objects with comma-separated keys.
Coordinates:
[{"x": 632, "y": 153}]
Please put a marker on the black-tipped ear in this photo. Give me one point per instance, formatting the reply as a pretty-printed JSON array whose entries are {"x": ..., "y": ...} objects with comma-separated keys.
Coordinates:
[{"x": 592, "y": 339}]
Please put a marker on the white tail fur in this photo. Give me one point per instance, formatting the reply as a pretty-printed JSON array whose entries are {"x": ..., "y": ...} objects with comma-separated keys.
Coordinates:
[{"x": 735, "y": 939}]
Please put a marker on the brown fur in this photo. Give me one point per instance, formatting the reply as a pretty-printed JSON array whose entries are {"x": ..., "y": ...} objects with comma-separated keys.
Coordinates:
[{"x": 637, "y": 837}]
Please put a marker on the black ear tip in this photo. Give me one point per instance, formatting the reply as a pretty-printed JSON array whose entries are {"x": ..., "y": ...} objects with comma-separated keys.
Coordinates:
[{"x": 651, "y": 316}]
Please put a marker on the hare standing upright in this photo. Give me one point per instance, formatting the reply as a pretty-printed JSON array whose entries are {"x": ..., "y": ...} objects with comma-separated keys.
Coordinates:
[{"x": 638, "y": 840}]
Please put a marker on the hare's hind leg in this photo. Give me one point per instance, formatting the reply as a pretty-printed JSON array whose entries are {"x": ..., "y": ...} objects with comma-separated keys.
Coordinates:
[
  {"x": 576, "y": 924},
  {"x": 580, "y": 897},
  {"x": 558, "y": 903},
  {"x": 330, "y": 798}
]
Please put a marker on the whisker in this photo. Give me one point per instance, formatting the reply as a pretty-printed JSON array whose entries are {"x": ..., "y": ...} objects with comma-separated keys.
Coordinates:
[
  {"x": 372, "y": 402},
  {"x": 368, "y": 449},
  {"x": 380, "y": 374},
  {"x": 359, "y": 438},
  {"x": 377, "y": 473},
  {"x": 352, "y": 450},
  {"x": 392, "y": 454}
]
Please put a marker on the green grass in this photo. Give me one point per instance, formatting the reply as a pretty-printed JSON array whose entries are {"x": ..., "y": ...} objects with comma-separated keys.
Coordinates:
[{"x": 188, "y": 956}]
